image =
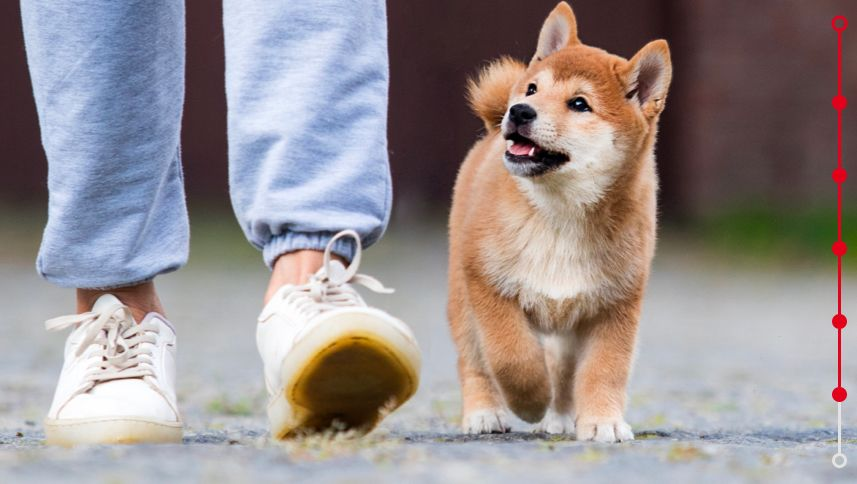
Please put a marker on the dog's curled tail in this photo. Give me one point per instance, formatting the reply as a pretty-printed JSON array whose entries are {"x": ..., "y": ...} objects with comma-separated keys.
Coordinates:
[{"x": 488, "y": 93}]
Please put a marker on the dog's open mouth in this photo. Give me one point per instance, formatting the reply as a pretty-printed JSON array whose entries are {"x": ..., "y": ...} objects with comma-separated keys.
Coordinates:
[{"x": 524, "y": 150}]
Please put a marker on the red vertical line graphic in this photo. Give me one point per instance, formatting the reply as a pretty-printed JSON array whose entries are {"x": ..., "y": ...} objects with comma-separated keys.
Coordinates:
[
  {"x": 840, "y": 23},
  {"x": 839, "y": 247}
]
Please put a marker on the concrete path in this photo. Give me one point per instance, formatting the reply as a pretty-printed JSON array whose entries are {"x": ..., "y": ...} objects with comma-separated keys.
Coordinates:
[{"x": 732, "y": 383}]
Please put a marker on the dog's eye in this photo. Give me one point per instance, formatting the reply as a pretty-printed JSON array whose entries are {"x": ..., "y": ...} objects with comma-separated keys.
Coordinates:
[
  {"x": 531, "y": 89},
  {"x": 579, "y": 104}
]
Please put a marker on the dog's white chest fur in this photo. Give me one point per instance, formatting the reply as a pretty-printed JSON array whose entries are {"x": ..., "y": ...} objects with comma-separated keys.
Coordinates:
[{"x": 554, "y": 268}]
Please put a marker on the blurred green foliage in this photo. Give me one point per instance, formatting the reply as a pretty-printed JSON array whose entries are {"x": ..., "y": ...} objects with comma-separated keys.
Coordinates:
[
  {"x": 800, "y": 236},
  {"x": 754, "y": 235}
]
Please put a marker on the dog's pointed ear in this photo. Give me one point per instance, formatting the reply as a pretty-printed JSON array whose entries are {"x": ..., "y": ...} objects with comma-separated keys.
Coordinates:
[
  {"x": 558, "y": 31},
  {"x": 647, "y": 77}
]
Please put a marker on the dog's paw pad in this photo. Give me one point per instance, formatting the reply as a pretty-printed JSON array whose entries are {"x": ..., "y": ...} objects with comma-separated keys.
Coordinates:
[
  {"x": 607, "y": 430},
  {"x": 485, "y": 422},
  {"x": 556, "y": 423}
]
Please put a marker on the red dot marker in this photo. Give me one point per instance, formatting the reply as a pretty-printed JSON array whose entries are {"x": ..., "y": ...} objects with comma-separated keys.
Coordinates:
[
  {"x": 839, "y": 321},
  {"x": 839, "y": 102},
  {"x": 840, "y": 175},
  {"x": 839, "y": 248},
  {"x": 839, "y": 23},
  {"x": 839, "y": 394}
]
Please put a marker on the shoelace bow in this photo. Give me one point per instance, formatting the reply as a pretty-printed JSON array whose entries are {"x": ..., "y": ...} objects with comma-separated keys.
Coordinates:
[
  {"x": 121, "y": 353},
  {"x": 329, "y": 288}
]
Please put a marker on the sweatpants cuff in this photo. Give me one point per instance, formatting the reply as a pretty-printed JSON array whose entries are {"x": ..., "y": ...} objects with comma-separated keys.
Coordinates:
[{"x": 292, "y": 241}]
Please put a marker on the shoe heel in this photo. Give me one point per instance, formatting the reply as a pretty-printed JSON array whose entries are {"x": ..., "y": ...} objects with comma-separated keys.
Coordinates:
[{"x": 348, "y": 381}]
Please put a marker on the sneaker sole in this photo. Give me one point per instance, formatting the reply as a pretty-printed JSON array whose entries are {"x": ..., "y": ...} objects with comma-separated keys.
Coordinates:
[
  {"x": 346, "y": 375},
  {"x": 70, "y": 432}
]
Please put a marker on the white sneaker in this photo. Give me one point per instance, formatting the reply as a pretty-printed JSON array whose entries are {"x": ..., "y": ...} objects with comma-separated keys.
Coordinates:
[
  {"x": 330, "y": 360},
  {"x": 118, "y": 381}
]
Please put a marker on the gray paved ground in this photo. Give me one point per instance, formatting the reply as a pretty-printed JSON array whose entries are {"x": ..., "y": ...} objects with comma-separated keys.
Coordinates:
[{"x": 732, "y": 384}]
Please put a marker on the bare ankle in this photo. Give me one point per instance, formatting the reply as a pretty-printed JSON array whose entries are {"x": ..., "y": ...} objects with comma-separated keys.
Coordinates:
[
  {"x": 142, "y": 299},
  {"x": 295, "y": 268}
]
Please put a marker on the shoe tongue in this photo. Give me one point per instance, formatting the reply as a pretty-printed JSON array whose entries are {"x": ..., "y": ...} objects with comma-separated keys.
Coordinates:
[{"x": 105, "y": 302}]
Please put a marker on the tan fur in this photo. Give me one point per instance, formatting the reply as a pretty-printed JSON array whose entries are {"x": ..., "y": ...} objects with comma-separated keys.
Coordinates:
[
  {"x": 547, "y": 273},
  {"x": 488, "y": 94}
]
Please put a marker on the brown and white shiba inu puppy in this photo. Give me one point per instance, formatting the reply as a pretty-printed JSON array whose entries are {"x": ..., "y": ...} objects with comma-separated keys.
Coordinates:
[{"x": 552, "y": 234}]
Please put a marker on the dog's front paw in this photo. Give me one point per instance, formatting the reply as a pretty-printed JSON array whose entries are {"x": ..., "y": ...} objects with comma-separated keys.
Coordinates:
[
  {"x": 604, "y": 430},
  {"x": 485, "y": 421},
  {"x": 556, "y": 423}
]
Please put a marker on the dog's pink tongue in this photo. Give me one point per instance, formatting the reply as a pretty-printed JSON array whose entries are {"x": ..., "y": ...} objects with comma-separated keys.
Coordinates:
[{"x": 521, "y": 148}]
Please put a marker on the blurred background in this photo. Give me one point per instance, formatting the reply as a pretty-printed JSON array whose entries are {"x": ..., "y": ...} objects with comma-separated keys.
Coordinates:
[
  {"x": 746, "y": 147},
  {"x": 735, "y": 338}
]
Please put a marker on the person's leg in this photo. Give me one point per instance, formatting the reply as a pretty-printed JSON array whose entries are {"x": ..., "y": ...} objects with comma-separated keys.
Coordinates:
[
  {"x": 306, "y": 86},
  {"x": 294, "y": 268},
  {"x": 108, "y": 80}
]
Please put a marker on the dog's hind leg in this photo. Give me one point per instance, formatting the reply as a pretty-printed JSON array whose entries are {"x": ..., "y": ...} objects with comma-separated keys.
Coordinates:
[
  {"x": 560, "y": 361},
  {"x": 482, "y": 409}
]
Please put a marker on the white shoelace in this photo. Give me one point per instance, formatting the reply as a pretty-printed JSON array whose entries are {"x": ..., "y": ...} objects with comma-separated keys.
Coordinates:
[
  {"x": 329, "y": 288},
  {"x": 121, "y": 353}
]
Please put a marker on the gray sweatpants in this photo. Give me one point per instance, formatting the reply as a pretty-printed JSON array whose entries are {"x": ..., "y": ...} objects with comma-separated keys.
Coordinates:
[{"x": 306, "y": 86}]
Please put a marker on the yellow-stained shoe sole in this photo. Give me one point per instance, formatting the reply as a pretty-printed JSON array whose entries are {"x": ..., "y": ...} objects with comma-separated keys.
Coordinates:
[
  {"x": 111, "y": 431},
  {"x": 345, "y": 380}
]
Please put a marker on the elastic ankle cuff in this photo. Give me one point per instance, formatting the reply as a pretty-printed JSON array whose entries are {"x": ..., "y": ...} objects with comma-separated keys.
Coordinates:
[{"x": 292, "y": 241}]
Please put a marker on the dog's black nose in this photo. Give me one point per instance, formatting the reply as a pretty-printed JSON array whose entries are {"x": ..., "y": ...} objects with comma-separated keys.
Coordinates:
[{"x": 521, "y": 114}]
